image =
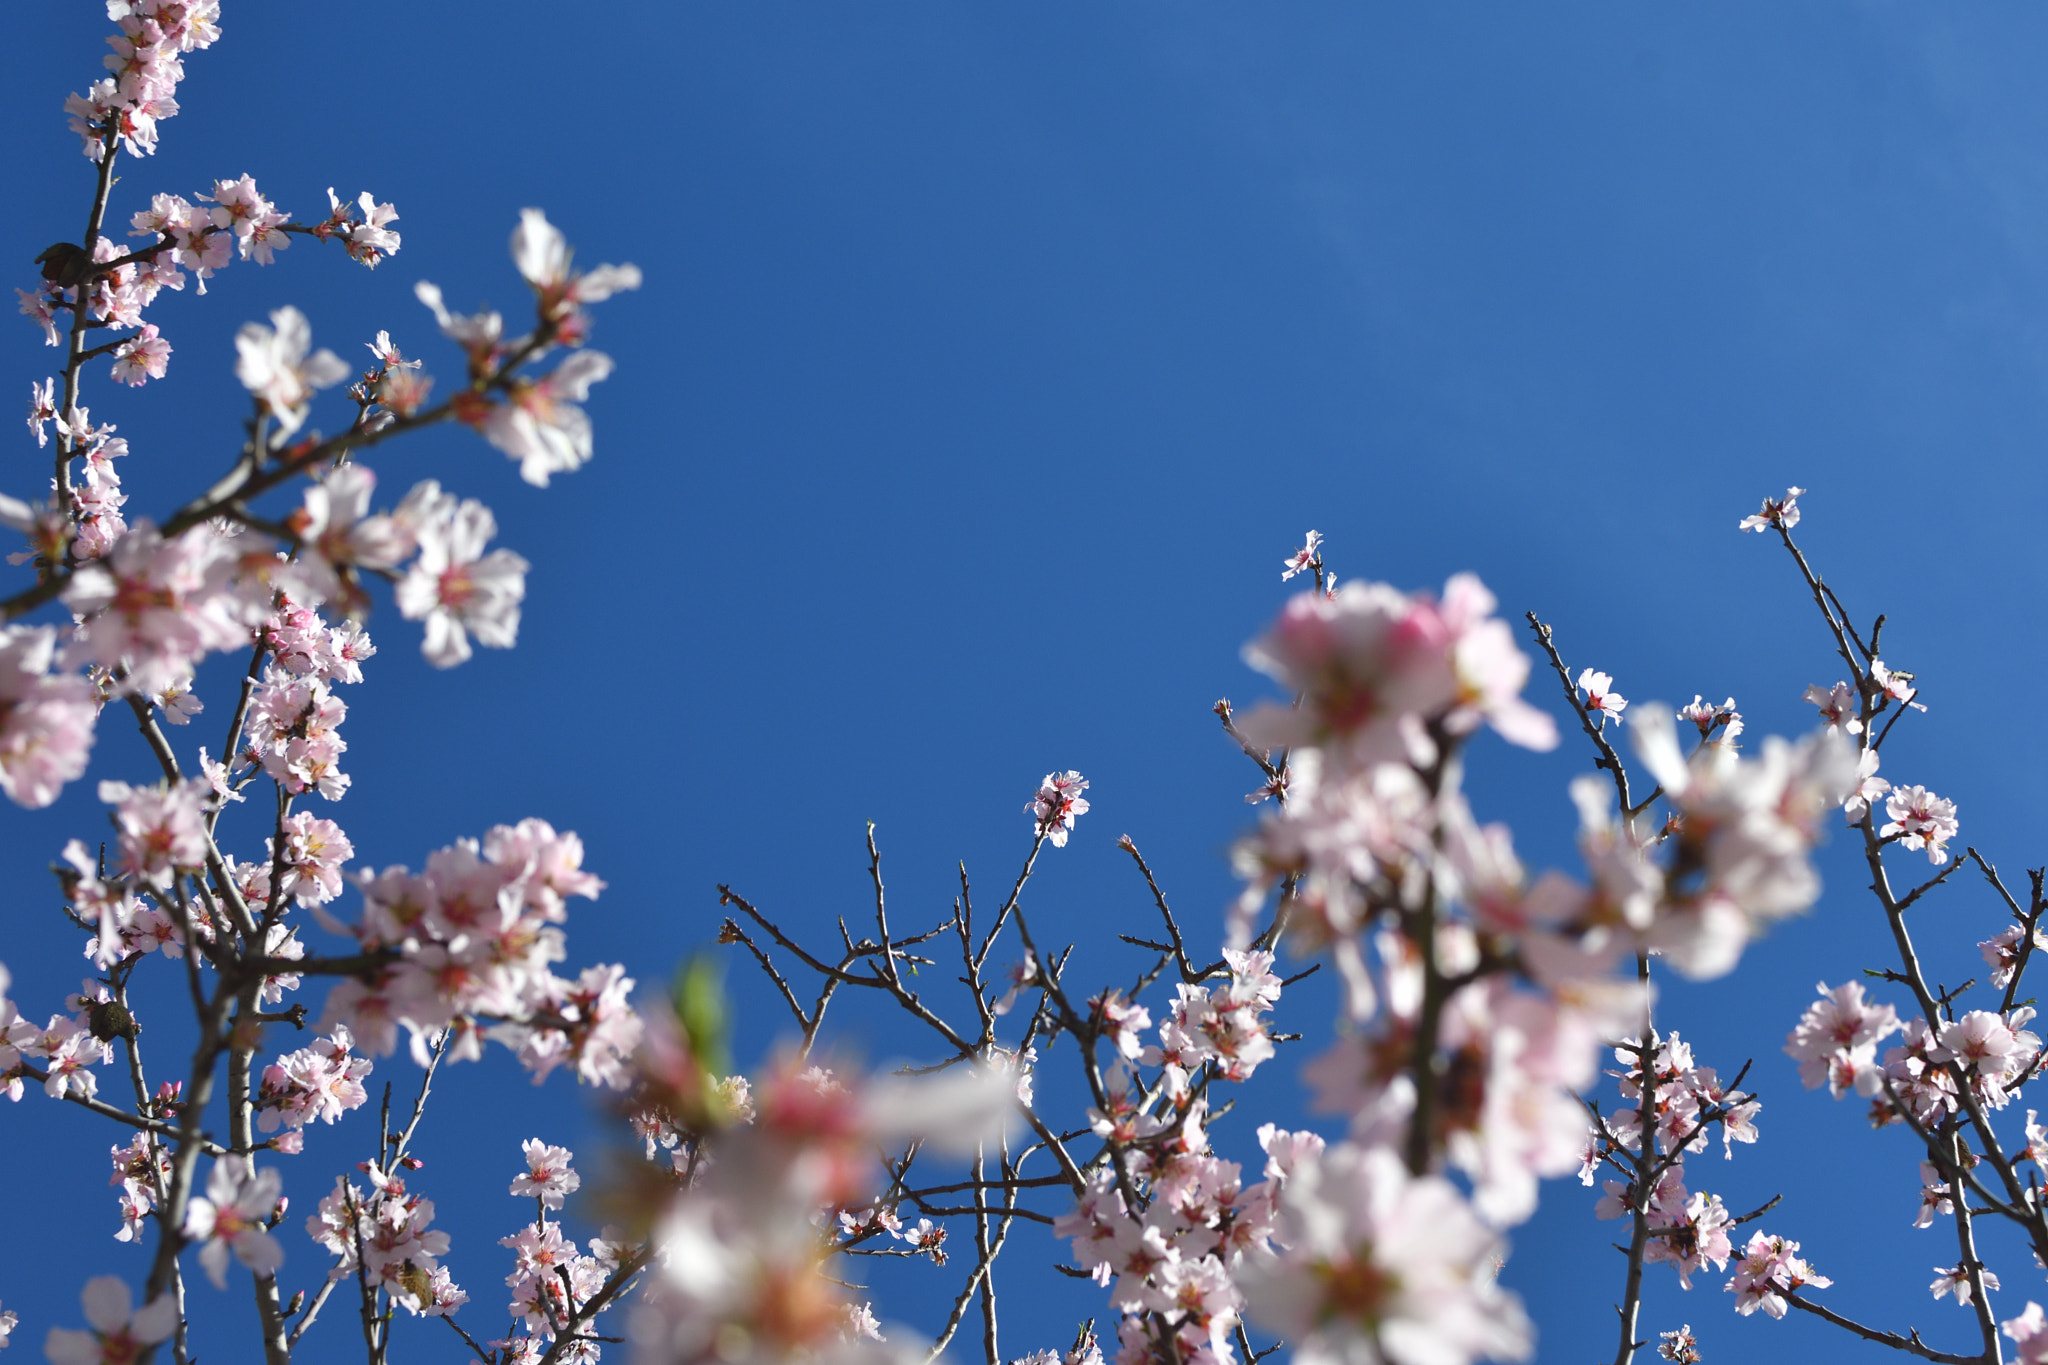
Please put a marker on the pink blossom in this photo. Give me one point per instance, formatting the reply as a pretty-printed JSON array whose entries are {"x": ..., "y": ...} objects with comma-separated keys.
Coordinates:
[
  {"x": 323, "y": 1081},
  {"x": 540, "y": 425},
  {"x": 543, "y": 257},
  {"x": 548, "y": 1176},
  {"x": 177, "y": 703},
  {"x": 1377, "y": 1261},
  {"x": 42, "y": 409},
  {"x": 155, "y": 607},
  {"x": 369, "y": 239},
  {"x": 1869, "y": 786},
  {"x": 1601, "y": 698},
  {"x": 337, "y": 533},
  {"x": 313, "y": 853},
  {"x": 1058, "y": 804},
  {"x": 1783, "y": 513},
  {"x": 163, "y": 828},
  {"x": 1836, "y": 1040},
  {"x": 1304, "y": 559},
  {"x": 1679, "y": 1346},
  {"x": 1746, "y": 825},
  {"x": 1769, "y": 1267},
  {"x": 2029, "y": 1332},
  {"x": 458, "y": 589},
  {"x": 274, "y": 364},
  {"x": 239, "y": 1201},
  {"x": 1955, "y": 1280},
  {"x": 46, "y": 719},
  {"x": 36, "y": 308},
  {"x": 1898, "y": 686},
  {"x": 1839, "y": 706},
  {"x": 1936, "y": 1196},
  {"x": 120, "y": 1332},
  {"x": 1920, "y": 819},
  {"x": 2003, "y": 952},
  {"x": 142, "y": 357}
]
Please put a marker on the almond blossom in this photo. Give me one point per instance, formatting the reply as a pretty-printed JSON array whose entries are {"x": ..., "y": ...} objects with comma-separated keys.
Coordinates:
[
  {"x": 162, "y": 828},
  {"x": 154, "y": 606},
  {"x": 1746, "y": 826},
  {"x": 1920, "y": 819},
  {"x": 1380, "y": 1264},
  {"x": 120, "y": 1332},
  {"x": 1304, "y": 559},
  {"x": 458, "y": 589},
  {"x": 142, "y": 357},
  {"x": 1779, "y": 512},
  {"x": 1836, "y": 1041},
  {"x": 240, "y": 1201},
  {"x": 540, "y": 425},
  {"x": 1601, "y": 698},
  {"x": 548, "y": 1176},
  {"x": 338, "y": 534},
  {"x": 275, "y": 365},
  {"x": 1955, "y": 1280},
  {"x": 1839, "y": 706},
  {"x": 323, "y": 1081},
  {"x": 2029, "y": 1332},
  {"x": 1769, "y": 1268},
  {"x": 1058, "y": 804},
  {"x": 543, "y": 257},
  {"x": 1898, "y": 686},
  {"x": 46, "y": 719}
]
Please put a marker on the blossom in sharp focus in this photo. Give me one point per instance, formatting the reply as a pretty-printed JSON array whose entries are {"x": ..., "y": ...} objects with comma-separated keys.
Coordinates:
[
  {"x": 1058, "y": 804},
  {"x": 141, "y": 357},
  {"x": 120, "y": 1333},
  {"x": 548, "y": 1176},
  {"x": 1679, "y": 1346},
  {"x": 1769, "y": 1267},
  {"x": 274, "y": 365},
  {"x": 1601, "y": 698},
  {"x": 1302, "y": 560},
  {"x": 460, "y": 591},
  {"x": 1920, "y": 819},
  {"x": 1776, "y": 512},
  {"x": 1898, "y": 686},
  {"x": 1836, "y": 1041},
  {"x": 369, "y": 240}
]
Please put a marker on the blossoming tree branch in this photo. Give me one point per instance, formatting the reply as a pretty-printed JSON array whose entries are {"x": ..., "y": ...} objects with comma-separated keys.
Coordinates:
[{"x": 1479, "y": 1002}]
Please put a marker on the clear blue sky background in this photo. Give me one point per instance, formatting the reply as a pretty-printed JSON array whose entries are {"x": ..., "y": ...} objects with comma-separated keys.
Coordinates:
[{"x": 990, "y": 360}]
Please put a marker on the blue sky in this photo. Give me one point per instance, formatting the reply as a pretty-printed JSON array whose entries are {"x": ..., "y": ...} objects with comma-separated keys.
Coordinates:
[{"x": 988, "y": 363}]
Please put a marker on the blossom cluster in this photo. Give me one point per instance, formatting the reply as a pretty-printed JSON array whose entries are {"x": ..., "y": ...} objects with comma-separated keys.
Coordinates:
[
  {"x": 466, "y": 949},
  {"x": 393, "y": 1228},
  {"x": 1171, "y": 1222}
]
